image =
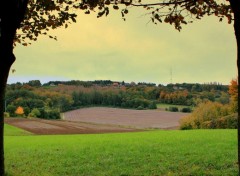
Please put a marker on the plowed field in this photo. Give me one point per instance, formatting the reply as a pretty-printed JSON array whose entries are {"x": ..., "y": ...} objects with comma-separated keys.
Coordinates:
[
  {"x": 100, "y": 120},
  {"x": 126, "y": 117},
  {"x": 41, "y": 126}
]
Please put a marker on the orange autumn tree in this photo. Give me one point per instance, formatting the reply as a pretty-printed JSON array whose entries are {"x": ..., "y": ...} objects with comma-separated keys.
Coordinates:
[
  {"x": 19, "y": 111},
  {"x": 233, "y": 91}
]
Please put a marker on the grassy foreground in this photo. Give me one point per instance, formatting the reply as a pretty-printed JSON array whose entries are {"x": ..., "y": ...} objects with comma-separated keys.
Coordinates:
[{"x": 195, "y": 152}]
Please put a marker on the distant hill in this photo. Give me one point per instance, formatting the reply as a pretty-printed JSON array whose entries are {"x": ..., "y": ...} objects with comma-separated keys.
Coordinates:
[{"x": 50, "y": 99}]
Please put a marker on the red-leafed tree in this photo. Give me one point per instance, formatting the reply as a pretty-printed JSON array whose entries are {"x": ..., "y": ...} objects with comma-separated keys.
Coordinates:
[{"x": 37, "y": 17}]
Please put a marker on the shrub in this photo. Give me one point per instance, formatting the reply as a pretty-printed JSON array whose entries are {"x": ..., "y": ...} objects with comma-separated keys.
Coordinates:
[
  {"x": 152, "y": 105},
  {"x": 186, "y": 110},
  {"x": 211, "y": 124},
  {"x": 185, "y": 123},
  {"x": 173, "y": 109},
  {"x": 50, "y": 114},
  {"x": 6, "y": 114},
  {"x": 54, "y": 114},
  {"x": 35, "y": 113},
  {"x": 26, "y": 110},
  {"x": 229, "y": 121},
  {"x": 11, "y": 110},
  {"x": 123, "y": 104},
  {"x": 209, "y": 115},
  {"x": 140, "y": 108}
]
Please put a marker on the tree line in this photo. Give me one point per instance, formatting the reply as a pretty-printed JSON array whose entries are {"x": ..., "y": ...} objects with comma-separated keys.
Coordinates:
[{"x": 50, "y": 99}]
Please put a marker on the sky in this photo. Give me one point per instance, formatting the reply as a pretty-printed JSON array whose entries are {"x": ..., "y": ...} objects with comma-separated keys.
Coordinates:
[{"x": 136, "y": 50}]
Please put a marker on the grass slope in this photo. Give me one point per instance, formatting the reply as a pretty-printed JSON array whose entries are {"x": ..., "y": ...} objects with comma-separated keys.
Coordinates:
[
  {"x": 14, "y": 131},
  {"x": 195, "y": 152}
]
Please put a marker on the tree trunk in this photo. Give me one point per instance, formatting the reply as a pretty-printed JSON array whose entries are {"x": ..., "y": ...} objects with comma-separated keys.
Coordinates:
[
  {"x": 7, "y": 58},
  {"x": 235, "y": 4},
  {"x": 11, "y": 14},
  {"x": 237, "y": 33},
  {"x": 8, "y": 32},
  {"x": 3, "y": 81}
]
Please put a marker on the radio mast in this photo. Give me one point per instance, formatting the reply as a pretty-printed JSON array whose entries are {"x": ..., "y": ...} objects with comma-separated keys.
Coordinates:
[{"x": 171, "y": 75}]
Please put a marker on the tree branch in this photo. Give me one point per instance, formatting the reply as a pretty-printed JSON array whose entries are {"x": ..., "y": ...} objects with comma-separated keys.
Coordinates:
[{"x": 162, "y": 3}]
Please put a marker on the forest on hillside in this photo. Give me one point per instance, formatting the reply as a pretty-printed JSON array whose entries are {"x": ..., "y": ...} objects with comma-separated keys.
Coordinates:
[{"x": 33, "y": 99}]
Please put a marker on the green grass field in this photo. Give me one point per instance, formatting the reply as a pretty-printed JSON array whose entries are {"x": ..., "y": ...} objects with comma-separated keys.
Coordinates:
[{"x": 194, "y": 152}]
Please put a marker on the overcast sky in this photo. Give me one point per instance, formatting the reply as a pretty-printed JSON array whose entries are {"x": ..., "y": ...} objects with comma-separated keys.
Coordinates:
[{"x": 132, "y": 50}]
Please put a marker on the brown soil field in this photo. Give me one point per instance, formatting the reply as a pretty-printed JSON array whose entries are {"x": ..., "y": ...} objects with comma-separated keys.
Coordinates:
[
  {"x": 141, "y": 119},
  {"x": 100, "y": 120},
  {"x": 41, "y": 126}
]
